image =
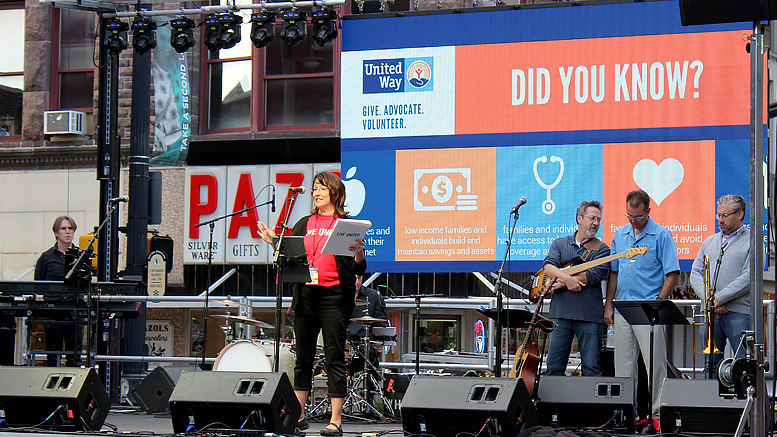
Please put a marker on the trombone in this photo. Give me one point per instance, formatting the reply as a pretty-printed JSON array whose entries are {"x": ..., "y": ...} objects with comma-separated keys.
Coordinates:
[{"x": 709, "y": 345}]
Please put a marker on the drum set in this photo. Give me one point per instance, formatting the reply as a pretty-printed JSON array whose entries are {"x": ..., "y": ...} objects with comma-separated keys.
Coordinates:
[
  {"x": 245, "y": 354},
  {"x": 364, "y": 399}
]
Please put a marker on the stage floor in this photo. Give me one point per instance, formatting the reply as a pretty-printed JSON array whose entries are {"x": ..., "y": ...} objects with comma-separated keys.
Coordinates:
[{"x": 133, "y": 421}]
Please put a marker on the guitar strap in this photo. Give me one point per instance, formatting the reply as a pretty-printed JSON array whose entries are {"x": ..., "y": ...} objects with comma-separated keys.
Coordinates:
[{"x": 591, "y": 246}]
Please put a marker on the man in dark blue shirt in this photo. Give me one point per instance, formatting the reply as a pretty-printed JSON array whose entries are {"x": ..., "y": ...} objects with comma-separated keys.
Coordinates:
[
  {"x": 51, "y": 267},
  {"x": 576, "y": 305}
]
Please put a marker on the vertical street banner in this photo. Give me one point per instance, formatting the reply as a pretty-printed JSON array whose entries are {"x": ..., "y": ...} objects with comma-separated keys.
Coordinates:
[
  {"x": 443, "y": 131},
  {"x": 172, "y": 94}
]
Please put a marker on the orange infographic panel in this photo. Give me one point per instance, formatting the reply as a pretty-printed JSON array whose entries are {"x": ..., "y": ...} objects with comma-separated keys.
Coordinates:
[
  {"x": 445, "y": 204},
  {"x": 680, "y": 180},
  {"x": 631, "y": 82}
]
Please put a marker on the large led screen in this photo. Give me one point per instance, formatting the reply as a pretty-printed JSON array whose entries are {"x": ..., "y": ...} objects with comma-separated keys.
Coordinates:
[{"x": 448, "y": 119}]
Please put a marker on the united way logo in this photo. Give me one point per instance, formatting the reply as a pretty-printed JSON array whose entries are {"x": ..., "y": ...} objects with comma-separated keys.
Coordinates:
[
  {"x": 419, "y": 74},
  {"x": 397, "y": 75}
]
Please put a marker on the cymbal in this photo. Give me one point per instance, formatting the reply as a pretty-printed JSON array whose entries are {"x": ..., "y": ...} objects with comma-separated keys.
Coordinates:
[
  {"x": 368, "y": 319},
  {"x": 230, "y": 303},
  {"x": 243, "y": 319}
]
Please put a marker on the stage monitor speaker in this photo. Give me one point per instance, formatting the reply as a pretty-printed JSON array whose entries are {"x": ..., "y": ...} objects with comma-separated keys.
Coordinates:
[
  {"x": 63, "y": 399},
  {"x": 452, "y": 405},
  {"x": 234, "y": 400},
  {"x": 726, "y": 11},
  {"x": 153, "y": 393},
  {"x": 587, "y": 402},
  {"x": 693, "y": 406}
]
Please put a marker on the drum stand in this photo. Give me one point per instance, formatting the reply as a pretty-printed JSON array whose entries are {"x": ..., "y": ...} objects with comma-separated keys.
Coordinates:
[{"x": 364, "y": 386}]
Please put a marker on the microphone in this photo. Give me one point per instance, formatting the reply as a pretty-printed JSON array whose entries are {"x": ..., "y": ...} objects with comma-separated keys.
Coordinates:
[
  {"x": 520, "y": 203},
  {"x": 299, "y": 189},
  {"x": 273, "y": 198},
  {"x": 388, "y": 289},
  {"x": 123, "y": 198}
]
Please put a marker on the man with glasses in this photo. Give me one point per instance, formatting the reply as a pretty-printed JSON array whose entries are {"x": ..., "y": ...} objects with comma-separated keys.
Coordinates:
[
  {"x": 729, "y": 257},
  {"x": 649, "y": 276},
  {"x": 576, "y": 306}
]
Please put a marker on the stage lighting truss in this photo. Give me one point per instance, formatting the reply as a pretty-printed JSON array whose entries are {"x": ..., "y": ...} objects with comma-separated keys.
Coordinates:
[
  {"x": 294, "y": 28},
  {"x": 181, "y": 34},
  {"x": 222, "y": 31},
  {"x": 115, "y": 35},
  {"x": 324, "y": 26},
  {"x": 262, "y": 28},
  {"x": 143, "y": 35}
]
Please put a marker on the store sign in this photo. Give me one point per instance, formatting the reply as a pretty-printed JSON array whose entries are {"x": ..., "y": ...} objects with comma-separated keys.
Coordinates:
[
  {"x": 159, "y": 338},
  {"x": 214, "y": 192}
]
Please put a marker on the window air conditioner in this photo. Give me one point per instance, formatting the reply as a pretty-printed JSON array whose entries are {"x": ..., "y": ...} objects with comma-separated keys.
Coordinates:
[{"x": 64, "y": 122}]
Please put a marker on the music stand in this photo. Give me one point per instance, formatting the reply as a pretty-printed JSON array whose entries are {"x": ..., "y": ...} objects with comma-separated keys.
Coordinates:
[
  {"x": 513, "y": 317},
  {"x": 293, "y": 258},
  {"x": 650, "y": 312}
]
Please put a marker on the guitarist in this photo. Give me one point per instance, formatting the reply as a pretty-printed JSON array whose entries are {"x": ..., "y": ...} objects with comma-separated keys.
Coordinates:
[{"x": 576, "y": 306}]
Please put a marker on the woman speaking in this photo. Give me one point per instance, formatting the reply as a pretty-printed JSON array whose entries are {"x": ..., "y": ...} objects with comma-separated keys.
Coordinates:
[{"x": 326, "y": 302}]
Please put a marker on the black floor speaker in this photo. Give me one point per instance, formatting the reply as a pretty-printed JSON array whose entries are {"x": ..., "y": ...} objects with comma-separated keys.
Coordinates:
[
  {"x": 587, "y": 402},
  {"x": 234, "y": 400},
  {"x": 693, "y": 406},
  {"x": 452, "y": 405},
  {"x": 64, "y": 399},
  {"x": 153, "y": 393}
]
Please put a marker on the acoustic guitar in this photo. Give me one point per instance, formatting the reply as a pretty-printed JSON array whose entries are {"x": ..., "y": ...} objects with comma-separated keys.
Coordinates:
[
  {"x": 526, "y": 362},
  {"x": 541, "y": 279}
]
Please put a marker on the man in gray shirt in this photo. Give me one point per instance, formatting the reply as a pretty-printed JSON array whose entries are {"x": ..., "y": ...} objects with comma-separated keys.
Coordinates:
[{"x": 729, "y": 258}]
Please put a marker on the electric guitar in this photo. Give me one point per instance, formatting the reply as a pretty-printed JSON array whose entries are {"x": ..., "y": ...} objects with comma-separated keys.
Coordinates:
[{"x": 541, "y": 280}]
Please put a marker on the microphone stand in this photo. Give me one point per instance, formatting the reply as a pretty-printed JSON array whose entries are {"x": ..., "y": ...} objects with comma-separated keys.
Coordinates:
[
  {"x": 211, "y": 224},
  {"x": 711, "y": 311},
  {"x": 417, "y": 328},
  {"x": 90, "y": 342},
  {"x": 278, "y": 260},
  {"x": 498, "y": 291}
]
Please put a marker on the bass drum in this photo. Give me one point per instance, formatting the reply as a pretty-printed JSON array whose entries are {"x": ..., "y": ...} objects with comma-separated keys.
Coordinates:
[
  {"x": 254, "y": 356},
  {"x": 287, "y": 358},
  {"x": 243, "y": 356}
]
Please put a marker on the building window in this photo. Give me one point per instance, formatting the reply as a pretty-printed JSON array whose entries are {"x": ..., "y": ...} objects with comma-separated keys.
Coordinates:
[
  {"x": 75, "y": 60},
  {"x": 439, "y": 334},
  {"x": 11, "y": 71},
  {"x": 300, "y": 84},
  {"x": 230, "y": 84},
  {"x": 278, "y": 87}
]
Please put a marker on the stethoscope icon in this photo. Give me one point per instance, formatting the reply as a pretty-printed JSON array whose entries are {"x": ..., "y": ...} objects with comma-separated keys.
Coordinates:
[{"x": 548, "y": 205}]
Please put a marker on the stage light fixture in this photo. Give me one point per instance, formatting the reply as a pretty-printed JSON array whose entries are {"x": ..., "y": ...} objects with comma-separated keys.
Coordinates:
[
  {"x": 230, "y": 30},
  {"x": 262, "y": 28},
  {"x": 143, "y": 35},
  {"x": 181, "y": 34},
  {"x": 324, "y": 26},
  {"x": 212, "y": 33},
  {"x": 115, "y": 35},
  {"x": 294, "y": 28},
  {"x": 222, "y": 31}
]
